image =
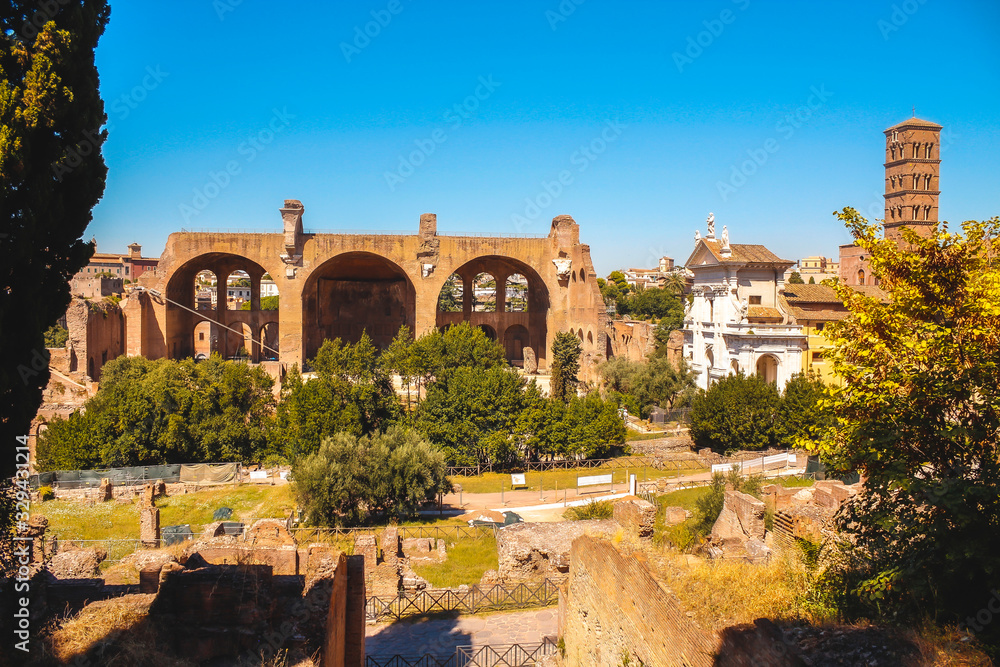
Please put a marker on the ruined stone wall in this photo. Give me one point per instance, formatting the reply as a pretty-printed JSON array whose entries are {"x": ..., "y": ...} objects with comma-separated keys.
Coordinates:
[
  {"x": 96, "y": 335},
  {"x": 614, "y": 607}
]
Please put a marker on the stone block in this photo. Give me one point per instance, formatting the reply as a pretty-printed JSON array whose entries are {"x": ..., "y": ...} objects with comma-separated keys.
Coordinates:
[
  {"x": 269, "y": 532},
  {"x": 106, "y": 490},
  {"x": 675, "y": 515},
  {"x": 149, "y": 527},
  {"x": 635, "y": 514},
  {"x": 530, "y": 360}
]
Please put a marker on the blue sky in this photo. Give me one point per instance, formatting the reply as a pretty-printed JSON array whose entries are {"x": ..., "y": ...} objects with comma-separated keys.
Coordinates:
[{"x": 498, "y": 116}]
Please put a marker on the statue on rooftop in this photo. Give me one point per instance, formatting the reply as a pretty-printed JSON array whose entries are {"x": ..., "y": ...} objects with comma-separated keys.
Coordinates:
[{"x": 711, "y": 226}]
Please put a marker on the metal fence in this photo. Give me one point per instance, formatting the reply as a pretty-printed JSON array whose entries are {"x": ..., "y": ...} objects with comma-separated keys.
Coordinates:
[
  {"x": 632, "y": 462},
  {"x": 473, "y": 600},
  {"x": 436, "y": 532},
  {"x": 490, "y": 655}
]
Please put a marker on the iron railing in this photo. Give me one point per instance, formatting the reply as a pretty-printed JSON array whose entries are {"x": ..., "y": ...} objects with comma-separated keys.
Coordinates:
[
  {"x": 503, "y": 655},
  {"x": 473, "y": 600}
]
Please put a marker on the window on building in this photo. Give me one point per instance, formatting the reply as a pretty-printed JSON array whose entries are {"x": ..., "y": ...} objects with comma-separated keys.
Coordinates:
[
  {"x": 930, "y": 147},
  {"x": 201, "y": 335},
  {"x": 819, "y": 326},
  {"x": 817, "y": 357},
  {"x": 915, "y": 209},
  {"x": 755, "y": 300},
  {"x": 861, "y": 276}
]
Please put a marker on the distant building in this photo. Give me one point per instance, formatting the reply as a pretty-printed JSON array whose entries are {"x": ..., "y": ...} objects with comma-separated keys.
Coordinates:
[
  {"x": 115, "y": 265},
  {"x": 818, "y": 268},
  {"x": 650, "y": 277},
  {"x": 912, "y": 187},
  {"x": 736, "y": 322}
]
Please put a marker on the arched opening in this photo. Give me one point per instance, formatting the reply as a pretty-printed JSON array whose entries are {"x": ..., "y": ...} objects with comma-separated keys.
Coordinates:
[
  {"x": 516, "y": 294},
  {"x": 735, "y": 367},
  {"x": 522, "y": 299},
  {"x": 90, "y": 368},
  {"x": 767, "y": 368},
  {"x": 205, "y": 286},
  {"x": 709, "y": 357},
  {"x": 198, "y": 291},
  {"x": 490, "y": 332},
  {"x": 861, "y": 276},
  {"x": 206, "y": 339},
  {"x": 237, "y": 290},
  {"x": 269, "y": 342},
  {"x": 450, "y": 296},
  {"x": 484, "y": 293},
  {"x": 590, "y": 337},
  {"x": 515, "y": 339},
  {"x": 354, "y": 293}
]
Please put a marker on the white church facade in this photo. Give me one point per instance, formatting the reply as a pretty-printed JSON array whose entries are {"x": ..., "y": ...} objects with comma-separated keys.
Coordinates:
[{"x": 737, "y": 320}]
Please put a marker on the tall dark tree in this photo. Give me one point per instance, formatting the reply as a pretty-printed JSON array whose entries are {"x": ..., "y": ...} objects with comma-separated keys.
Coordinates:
[
  {"x": 566, "y": 351},
  {"x": 51, "y": 177}
]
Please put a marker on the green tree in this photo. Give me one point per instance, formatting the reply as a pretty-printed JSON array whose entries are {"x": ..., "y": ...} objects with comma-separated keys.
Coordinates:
[
  {"x": 266, "y": 303},
  {"x": 164, "y": 411},
  {"x": 350, "y": 480},
  {"x": 566, "y": 350},
  {"x": 655, "y": 303},
  {"x": 51, "y": 176},
  {"x": 918, "y": 416},
  {"x": 795, "y": 279},
  {"x": 465, "y": 410},
  {"x": 812, "y": 280},
  {"x": 350, "y": 393},
  {"x": 804, "y": 416},
  {"x": 652, "y": 383},
  {"x": 449, "y": 299},
  {"x": 737, "y": 412},
  {"x": 56, "y": 336}
]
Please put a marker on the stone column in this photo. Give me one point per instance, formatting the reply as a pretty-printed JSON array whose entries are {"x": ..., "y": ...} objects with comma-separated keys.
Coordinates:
[
  {"x": 149, "y": 527},
  {"x": 501, "y": 283},
  {"x": 467, "y": 287}
]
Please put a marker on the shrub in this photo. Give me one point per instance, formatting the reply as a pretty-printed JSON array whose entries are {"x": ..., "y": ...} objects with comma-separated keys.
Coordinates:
[
  {"x": 737, "y": 412},
  {"x": 595, "y": 509},
  {"x": 46, "y": 493}
]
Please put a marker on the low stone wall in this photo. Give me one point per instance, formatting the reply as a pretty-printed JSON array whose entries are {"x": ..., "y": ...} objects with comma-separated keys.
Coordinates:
[
  {"x": 531, "y": 551},
  {"x": 613, "y": 610}
]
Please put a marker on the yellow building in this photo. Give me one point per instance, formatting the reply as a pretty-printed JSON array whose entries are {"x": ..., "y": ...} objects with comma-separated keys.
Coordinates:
[{"x": 813, "y": 307}]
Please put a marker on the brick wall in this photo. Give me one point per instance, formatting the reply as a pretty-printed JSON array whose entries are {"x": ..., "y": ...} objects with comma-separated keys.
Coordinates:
[
  {"x": 636, "y": 515},
  {"x": 613, "y": 607}
]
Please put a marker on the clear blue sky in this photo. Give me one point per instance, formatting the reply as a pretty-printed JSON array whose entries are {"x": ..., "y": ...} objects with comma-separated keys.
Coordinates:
[{"x": 666, "y": 118}]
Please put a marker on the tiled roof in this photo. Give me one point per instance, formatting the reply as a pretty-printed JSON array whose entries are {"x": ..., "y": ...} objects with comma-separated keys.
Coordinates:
[
  {"x": 811, "y": 294},
  {"x": 915, "y": 122},
  {"x": 872, "y": 291},
  {"x": 802, "y": 315},
  {"x": 744, "y": 253},
  {"x": 764, "y": 313}
]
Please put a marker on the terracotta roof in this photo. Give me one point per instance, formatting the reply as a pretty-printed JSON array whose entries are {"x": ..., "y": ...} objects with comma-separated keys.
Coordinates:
[
  {"x": 744, "y": 253},
  {"x": 872, "y": 291},
  {"x": 915, "y": 122},
  {"x": 811, "y": 294},
  {"x": 764, "y": 313},
  {"x": 825, "y": 315}
]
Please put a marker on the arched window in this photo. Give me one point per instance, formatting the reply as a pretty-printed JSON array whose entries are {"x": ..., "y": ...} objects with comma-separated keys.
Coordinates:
[
  {"x": 205, "y": 291},
  {"x": 767, "y": 368},
  {"x": 517, "y": 294},
  {"x": 915, "y": 210},
  {"x": 450, "y": 297},
  {"x": 861, "y": 276},
  {"x": 484, "y": 294}
]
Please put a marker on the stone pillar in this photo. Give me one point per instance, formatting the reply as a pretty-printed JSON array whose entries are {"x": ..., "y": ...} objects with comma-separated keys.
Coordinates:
[
  {"x": 501, "y": 283},
  {"x": 149, "y": 527},
  {"x": 467, "y": 287},
  {"x": 105, "y": 491}
]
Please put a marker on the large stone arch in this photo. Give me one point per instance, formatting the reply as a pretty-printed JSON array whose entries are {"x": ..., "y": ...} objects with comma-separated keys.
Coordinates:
[
  {"x": 355, "y": 292},
  {"x": 182, "y": 315},
  {"x": 533, "y": 320}
]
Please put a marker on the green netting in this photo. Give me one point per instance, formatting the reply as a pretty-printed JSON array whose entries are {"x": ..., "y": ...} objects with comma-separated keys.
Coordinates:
[
  {"x": 208, "y": 473},
  {"x": 176, "y": 534},
  {"x": 222, "y": 514}
]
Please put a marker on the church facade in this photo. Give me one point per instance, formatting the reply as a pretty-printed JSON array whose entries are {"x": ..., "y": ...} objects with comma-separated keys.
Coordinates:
[{"x": 737, "y": 321}]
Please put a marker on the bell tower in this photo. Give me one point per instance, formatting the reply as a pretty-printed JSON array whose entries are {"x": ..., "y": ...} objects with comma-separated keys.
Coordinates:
[{"x": 912, "y": 170}]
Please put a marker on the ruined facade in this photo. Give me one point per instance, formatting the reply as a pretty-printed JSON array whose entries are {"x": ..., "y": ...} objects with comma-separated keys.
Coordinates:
[{"x": 334, "y": 285}]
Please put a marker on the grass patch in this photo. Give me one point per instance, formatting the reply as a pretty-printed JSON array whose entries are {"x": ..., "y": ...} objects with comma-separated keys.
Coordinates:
[
  {"x": 682, "y": 536},
  {"x": 792, "y": 481},
  {"x": 595, "y": 509},
  {"x": 492, "y": 482},
  {"x": 468, "y": 559},
  {"x": 247, "y": 502},
  {"x": 633, "y": 436}
]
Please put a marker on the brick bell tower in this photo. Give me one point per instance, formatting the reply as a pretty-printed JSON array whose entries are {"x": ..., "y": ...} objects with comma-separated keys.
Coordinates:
[{"x": 912, "y": 170}]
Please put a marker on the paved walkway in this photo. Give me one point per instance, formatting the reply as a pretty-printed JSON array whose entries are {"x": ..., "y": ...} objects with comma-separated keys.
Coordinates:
[{"x": 441, "y": 636}]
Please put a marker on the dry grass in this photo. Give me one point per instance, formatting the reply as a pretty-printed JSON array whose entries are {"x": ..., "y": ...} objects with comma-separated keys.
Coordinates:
[
  {"x": 724, "y": 593},
  {"x": 113, "y": 632}
]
